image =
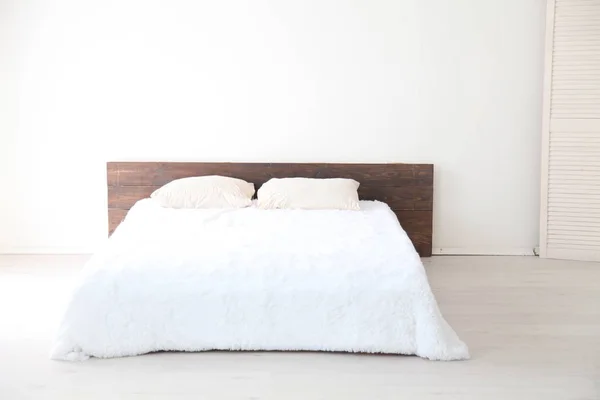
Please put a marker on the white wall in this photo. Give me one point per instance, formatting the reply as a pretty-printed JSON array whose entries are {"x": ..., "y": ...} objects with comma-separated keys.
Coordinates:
[{"x": 454, "y": 83}]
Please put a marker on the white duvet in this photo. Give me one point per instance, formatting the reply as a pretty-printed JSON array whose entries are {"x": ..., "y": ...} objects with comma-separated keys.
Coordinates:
[{"x": 251, "y": 279}]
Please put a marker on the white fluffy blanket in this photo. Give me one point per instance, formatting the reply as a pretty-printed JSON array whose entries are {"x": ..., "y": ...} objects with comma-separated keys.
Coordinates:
[{"x": 250, "y": 279}]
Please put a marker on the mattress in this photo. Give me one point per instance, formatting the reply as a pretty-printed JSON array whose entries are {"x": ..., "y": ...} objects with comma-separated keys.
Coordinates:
[{"x": 252, "y": 279}]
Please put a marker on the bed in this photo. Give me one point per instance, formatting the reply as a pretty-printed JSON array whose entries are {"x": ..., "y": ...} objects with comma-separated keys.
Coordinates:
[{"x": 252, "y": 279}]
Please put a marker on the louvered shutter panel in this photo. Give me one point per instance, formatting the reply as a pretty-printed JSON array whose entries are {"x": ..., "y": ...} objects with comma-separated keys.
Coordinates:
[{"x": 570, "y": 209}]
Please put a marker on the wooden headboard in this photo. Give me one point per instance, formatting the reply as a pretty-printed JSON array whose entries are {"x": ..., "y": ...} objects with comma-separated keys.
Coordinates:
[{"x": 406, "y": 188}]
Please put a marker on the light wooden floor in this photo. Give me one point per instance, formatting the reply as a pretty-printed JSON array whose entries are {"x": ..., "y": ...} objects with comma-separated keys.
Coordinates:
[{"x": 533, "y": 327}]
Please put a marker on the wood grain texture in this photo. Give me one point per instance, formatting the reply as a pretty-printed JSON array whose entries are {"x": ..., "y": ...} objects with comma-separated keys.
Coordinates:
[{"x": 406, "y": 188}]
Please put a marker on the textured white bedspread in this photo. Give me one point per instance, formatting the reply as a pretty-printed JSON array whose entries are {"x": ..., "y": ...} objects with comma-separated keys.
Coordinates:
[{"x": 250, "y": 279}]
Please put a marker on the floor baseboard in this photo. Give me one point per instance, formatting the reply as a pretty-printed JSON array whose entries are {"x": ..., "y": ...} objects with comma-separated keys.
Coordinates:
[
  {"x": 446, "y": 251},
  {"x": 45, "y": 250},
  {"x": 484, "y": 251}
]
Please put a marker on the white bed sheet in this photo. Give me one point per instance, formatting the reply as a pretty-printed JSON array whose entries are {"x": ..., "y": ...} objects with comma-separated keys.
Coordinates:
[{"x": 251, "y": 279}]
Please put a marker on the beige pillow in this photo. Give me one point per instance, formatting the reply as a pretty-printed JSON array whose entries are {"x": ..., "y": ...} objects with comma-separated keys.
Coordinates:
[
  {"x": 211, "y": 191},
  {"x": 309, "y": 194}
]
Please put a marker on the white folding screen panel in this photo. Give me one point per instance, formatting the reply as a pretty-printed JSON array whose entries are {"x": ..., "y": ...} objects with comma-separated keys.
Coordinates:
[{"x": 570, "y": 198}]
